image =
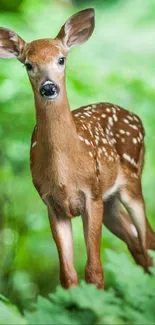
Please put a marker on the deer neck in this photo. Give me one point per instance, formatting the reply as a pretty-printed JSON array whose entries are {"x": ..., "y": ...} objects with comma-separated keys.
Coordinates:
[{"x": 56, "y": 129}]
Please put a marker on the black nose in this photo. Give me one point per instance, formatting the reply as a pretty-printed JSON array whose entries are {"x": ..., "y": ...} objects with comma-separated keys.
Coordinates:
[{"x": 49, "y": 89}]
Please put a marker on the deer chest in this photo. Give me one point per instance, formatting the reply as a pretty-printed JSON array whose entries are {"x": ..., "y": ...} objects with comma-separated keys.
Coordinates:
[{"x": 59, "y": 187}]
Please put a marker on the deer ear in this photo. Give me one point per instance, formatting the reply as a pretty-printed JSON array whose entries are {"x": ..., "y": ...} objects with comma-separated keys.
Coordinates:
[
  {"x": 78, "y": 28},
  {"x": 11, "y": 45}
]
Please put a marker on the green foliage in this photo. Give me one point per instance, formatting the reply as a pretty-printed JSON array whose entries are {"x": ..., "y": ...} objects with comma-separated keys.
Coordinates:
[
  {"x": 9, "y": 314},
  {"x": 129, "y": 300},
  {"x": 117, "y": 65},
  {"x": 10, "y": 5}
]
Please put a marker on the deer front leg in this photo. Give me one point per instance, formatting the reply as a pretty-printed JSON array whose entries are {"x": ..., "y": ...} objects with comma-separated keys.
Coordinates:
[
  {"x": 62, "y": 234},
  {"x": 92, "y": 223}
]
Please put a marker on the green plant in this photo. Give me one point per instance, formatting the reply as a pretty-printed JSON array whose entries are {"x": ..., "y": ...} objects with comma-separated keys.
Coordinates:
[{"x": 130, "y": 299}]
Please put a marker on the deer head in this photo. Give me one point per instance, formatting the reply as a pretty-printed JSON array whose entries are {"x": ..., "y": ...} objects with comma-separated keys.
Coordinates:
[{"x": 45, "y": 59}]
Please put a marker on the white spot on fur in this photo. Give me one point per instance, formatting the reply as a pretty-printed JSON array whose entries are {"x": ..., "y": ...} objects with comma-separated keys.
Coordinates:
[
  {"x": 110, "y": 120},
  {"x": 91, "y": 133},
  {"x": 122, "y": 131},
  {"x": 87, "y": 114},
  {"x": 104, "y": 140},
  {"x": 130, "y": 117},
  {"x": 87, "y": 142},
  {"x": 136, "y": 118},
  {"x": 133, "y": 126},
  {"x": 114, "y": 110},
  {"x": 141, "y": 136},
  {"x": 113, "y": 140},
  {"x": 87, "y": 108},
  {"x": 84, "y": 126},
  {"x": 134, "y": 140},
  {"x": 115, "y": 118},
  {"x": 131, "y": 160},
  {"x": 81, "y": 138}
]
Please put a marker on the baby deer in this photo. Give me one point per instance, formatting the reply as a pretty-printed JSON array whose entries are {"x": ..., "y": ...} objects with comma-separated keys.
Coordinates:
[{"x": 87, "y": 162}]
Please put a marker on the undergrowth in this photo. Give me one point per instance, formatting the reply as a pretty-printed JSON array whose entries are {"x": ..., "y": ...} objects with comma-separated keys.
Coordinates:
[{"x": 129, "y": 299}]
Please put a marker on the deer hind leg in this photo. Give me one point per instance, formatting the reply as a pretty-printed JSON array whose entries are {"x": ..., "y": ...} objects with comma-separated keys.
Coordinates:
[
  {"x": 62, "y": 234},
  {"x": 132, "y": 199},
  {"x": 120, "y": 224},
  {"x": 92, "y": 224},
  {"x": 134, "y": 245}
]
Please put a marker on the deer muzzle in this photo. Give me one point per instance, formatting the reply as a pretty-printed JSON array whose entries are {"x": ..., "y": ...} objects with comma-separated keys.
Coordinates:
[{"x": 49, "y": 90}]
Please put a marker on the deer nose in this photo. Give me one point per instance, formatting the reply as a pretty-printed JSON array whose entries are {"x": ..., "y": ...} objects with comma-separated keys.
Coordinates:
[{"x": 49, "y": 89}]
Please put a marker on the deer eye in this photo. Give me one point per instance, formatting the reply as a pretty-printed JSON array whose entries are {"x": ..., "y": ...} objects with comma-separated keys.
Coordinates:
[
  {"x": 61, "y": 61},
  {"x": 28, "y": 66}
]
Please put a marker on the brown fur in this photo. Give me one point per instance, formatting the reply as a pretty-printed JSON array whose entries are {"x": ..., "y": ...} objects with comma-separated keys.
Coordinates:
[{"x": 85, "y": 162}]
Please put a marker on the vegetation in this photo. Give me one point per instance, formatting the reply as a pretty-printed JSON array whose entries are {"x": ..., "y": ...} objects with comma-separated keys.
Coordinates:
[
  {"x": 116, "y": 65},
  {"x": 130, "y": 300}
]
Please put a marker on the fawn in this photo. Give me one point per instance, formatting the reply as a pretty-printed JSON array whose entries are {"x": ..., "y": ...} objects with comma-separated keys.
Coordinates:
[{"x": 86, "y": 162}]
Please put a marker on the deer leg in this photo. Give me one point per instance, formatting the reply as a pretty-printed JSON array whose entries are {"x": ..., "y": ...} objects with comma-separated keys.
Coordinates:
[
  {"x": 120, "y": 224},
  {"x": 92, "y": 223},
  {"x": 132, "y": 198},
  {"x": 62, "y": 234},
  {"x": 150, "y": 236}
]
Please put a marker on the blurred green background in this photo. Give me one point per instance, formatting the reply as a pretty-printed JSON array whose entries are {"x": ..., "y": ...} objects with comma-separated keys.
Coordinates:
[{"x": 117, "y": 65}]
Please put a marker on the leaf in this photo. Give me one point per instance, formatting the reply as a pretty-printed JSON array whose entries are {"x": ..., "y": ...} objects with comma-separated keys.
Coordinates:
[{"x": 9, "y": 315}]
